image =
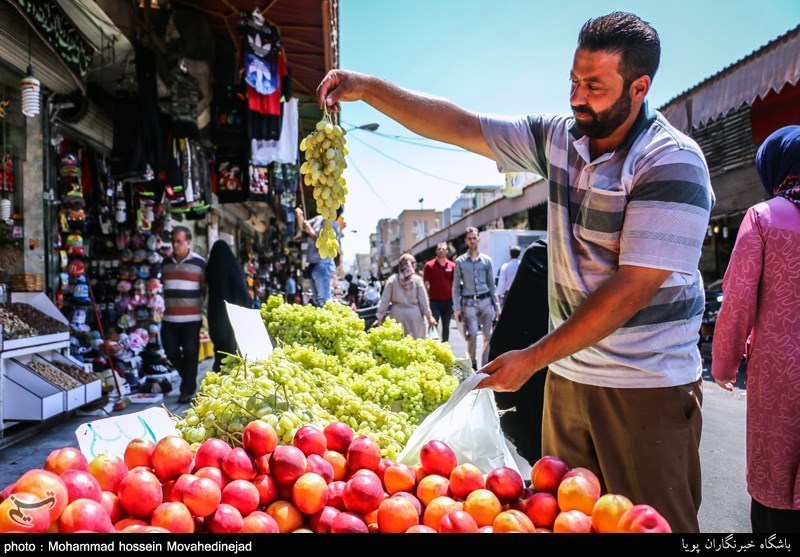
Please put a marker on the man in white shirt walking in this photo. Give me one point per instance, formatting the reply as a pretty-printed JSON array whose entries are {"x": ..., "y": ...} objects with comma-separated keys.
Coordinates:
[{"x": 507, "y": 272}]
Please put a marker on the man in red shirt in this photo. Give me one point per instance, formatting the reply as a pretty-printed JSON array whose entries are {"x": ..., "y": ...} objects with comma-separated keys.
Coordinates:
[{"x": 438, "y": 277}]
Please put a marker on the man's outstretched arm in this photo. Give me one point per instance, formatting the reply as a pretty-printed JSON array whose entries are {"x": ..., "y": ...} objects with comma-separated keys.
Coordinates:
[{"x": 429, "y": 116}]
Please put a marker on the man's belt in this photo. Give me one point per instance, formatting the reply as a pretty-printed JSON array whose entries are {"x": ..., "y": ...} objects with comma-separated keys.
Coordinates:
[{"x": 477, "y": 296}]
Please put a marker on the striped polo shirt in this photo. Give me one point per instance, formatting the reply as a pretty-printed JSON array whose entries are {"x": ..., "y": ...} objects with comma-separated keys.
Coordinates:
[
  {"x": 647, "y": 204},
  {"x": 183, "y": 288}
]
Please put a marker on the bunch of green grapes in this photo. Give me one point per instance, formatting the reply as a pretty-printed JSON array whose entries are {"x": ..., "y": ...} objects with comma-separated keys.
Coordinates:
[
  {"x": 335, "y": 329},
  {"x": 325, "y": 151}
]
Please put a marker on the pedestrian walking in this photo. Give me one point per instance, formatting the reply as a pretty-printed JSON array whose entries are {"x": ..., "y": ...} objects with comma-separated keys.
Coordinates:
[
  {"x": 507, "y": 272},
  {"x": 474, "y": 300},
  {"x": 404, "y": 299},
  {"x": 321, "y": 269},
  {"x": 183, "y": 274},
  {"x": 437, "y": 274}
]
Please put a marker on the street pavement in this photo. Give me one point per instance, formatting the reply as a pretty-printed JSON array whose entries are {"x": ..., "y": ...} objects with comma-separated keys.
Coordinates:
[
  {"x": 725, "y": 507},
  {"x": 726, "y": 504}
]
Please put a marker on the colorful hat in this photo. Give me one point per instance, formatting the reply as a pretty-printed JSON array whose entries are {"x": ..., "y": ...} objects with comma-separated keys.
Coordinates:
[
  {"x": 154, "y": 258},
  {"x": 154, "y": 242},
  {"x": 138, "y": 241},
  {"x": 76, "y": 268},
  {"x": 139, "y": 255},
  {"x": 81, "y": 293},
  {"x": 143, "y": 271},
  {"x": 125, "y": 255},
  {"x": 69, "y": 165},
  {"x": 153, "y": 286},
  {"x": 123, "y": 238},
  {"x": 78, "y": 321},
  {"x": 139, "y": 285},
  {"x": 75, "y": 245},
  {"x": 123, "y": 286}
]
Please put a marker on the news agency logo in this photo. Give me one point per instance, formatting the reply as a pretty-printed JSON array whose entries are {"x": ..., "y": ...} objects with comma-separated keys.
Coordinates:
[{"x": 19, "y": 516}]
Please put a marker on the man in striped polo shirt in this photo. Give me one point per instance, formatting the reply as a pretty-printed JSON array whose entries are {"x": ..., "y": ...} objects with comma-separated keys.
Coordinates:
[
  {"x": 183, "y": 275},
  {"x": 629, "y": 204}
]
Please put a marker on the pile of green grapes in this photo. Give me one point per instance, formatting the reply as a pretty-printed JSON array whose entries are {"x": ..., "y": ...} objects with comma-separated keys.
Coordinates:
[
  {"x": 324, "y": 149},
  {"x": 326, "y": 368}
]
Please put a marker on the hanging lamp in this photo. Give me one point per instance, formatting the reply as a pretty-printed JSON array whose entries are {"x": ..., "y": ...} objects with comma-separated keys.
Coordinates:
[{"x": 31, "y": 88}]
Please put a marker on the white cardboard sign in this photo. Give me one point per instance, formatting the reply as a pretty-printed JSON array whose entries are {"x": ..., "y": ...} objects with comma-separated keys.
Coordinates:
[
  {"x": 112, "y": 435},
  {"x": 251, "y": 334}
]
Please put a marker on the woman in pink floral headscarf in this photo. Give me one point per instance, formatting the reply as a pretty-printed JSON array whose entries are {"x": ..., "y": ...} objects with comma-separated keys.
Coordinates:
[
  {"x": 404, "y": 299},
  {"x": 761, "y": 300}
]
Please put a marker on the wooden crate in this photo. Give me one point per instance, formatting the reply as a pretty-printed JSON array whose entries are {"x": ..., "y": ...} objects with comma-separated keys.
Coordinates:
[{"x": 27, "y": 282}]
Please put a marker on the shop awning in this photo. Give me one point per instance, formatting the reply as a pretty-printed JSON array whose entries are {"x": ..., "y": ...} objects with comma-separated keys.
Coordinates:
[
  {"x": 753, "y": 77},
  {"x": 533, "y": 194}
]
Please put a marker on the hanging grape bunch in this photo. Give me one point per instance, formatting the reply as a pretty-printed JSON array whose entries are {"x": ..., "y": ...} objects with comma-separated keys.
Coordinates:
[{"x": 325, "y": 151}]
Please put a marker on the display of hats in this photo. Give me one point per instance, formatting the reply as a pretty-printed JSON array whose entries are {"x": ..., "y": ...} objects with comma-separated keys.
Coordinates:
[
  {"x": 124, "y": 302},
  {"x": 78, "y": 321},
  {"x": 125, "y": 255},
  {"x": 63, "y": 278},
  {"x": 126, "y": 272},
  {"x": 122, "y": 240},
  {"x": 140, "y": 285},
  {"x": 154, "y": 242},
  {"x": 75, "y": 245},
  {"x": 69, "y": 165},
  {"x": 143, "y": 271},
  {"x": 76, "y": 268},
  {"x": 153, "y": 286},
  {"x": 154, "y": 258},
  {"x": 81, "y": 293},
  {"x": 74, "y": 194},
  {"x": 138, "y": 300},
  {"x": 156, "y": 302},
  {"x": 126, "y": 321},
  {"x": 138, "y": 241},
  {"x": 139, "y": 255},
  {"x": 124, "y": 286}
]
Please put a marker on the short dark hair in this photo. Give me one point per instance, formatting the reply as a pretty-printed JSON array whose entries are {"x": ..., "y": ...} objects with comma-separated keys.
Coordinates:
[
  {"x": 628, "y": 35},
  {"x": 470, "y": 230},
  {"x": 187, "y": 234},
  {"x": 514, "y": 251}
]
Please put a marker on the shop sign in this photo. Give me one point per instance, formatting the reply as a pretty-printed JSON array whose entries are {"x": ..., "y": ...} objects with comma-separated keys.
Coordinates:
[{"x": 53, "y": 25}]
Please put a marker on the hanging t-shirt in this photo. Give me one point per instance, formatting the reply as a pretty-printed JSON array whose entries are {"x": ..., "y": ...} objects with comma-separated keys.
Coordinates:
[
  {"x": 259, "y": 182},
  {"x": 284, "y": 149}
]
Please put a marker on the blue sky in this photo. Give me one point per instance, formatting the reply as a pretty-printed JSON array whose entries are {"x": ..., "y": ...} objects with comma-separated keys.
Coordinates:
[{"x": 505, "y": 57}]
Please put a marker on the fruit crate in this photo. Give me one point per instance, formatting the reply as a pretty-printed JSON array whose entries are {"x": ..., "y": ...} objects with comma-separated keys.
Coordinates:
[
  {"x": 92, "y": 389},
  {"x": 28, "y": 397},
  {"x": 74, "y": 392}
]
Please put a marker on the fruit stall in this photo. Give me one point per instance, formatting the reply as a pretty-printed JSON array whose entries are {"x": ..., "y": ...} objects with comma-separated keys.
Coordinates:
[
  {"x": 311, "y": 439},
  {"x": 39, "y": 379}
]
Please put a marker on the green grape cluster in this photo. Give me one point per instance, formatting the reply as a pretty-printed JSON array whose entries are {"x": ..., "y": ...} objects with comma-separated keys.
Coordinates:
[
  {"x": 326, "y": 368},
  {"x": 325, "y": 151}
]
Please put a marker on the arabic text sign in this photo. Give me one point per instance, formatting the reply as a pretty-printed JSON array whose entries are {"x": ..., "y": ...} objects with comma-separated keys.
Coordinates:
[{"x": 112, "y": 435}]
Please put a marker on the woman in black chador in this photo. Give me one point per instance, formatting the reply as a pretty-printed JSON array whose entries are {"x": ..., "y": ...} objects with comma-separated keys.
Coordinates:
[{"x": 226, "y": 283}]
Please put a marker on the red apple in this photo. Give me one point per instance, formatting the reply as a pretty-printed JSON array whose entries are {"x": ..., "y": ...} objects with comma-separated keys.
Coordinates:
[
  {"x": 85, "y": 514},
  {"x": 464, "y": 479},
  {"x": 339, "y": 435},
  {"x": 68, "y": 458},
  {"x": 267, "y": 489},
  {"x": 505, "y": 483},
  {"x": 321, "y": 521},
  {"x": 139, "y": 452},
  {"x": 643, "y": 519},
  {"x": 363, "y": 453},
  {"x": 239, "y": 465},
  {"x": 179, "y": 487},
  {"x": 547, "y": 472},
  {"x": 140, "y": 493},
  {"x": 172, "y": 456},
  {"x": 458, "y": 522},
  {"x": 202, "y": 496},
  {"x": 335, "y": 491},
  {"x": 211, "y": 452},
  {"x": 319, "y": 465},
  {"x": 542, "y": 509},
  {"x": 363, "y": 493},
  {"x": 242, "y": 495},
  {"x": 225, "y": 520},
  {"x": 311, "y": 440},
  {"x": 81, "y": 485},
  {"x": 437, "y": 457},
  {"x": 259, "y": 438},
  {"x": 259, "y": 522},
  {"x": 287, "y": 463},
  {"x": 112, "y": 506},
  {"x": 348, "y": 523}
]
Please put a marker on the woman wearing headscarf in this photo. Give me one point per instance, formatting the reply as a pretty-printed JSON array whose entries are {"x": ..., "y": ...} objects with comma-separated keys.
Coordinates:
[
  {"x": 761, "y": 306},
  {"x": 226, "y": 283},
  {"x": 405, "y": 299}
]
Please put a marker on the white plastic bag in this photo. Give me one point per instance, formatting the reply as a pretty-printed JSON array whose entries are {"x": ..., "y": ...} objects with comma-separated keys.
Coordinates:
[
  {"x": 468, "y": 422},
  {"x": 433, "y": 333}
]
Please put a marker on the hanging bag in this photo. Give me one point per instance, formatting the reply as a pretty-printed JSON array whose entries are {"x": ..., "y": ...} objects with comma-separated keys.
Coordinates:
[{"x": 470, "y": 425}]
